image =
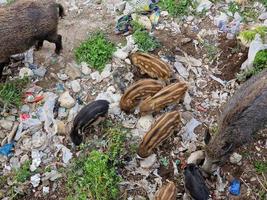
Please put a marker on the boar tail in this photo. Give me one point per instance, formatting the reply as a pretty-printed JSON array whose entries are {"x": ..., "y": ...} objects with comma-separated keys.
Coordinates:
[{"x": 61, "y": 10}]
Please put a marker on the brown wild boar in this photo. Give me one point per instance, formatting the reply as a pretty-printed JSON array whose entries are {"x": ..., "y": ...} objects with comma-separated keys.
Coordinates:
[
  {"x": 26, "y": 23},
  {"x": 243, "y": 116}
]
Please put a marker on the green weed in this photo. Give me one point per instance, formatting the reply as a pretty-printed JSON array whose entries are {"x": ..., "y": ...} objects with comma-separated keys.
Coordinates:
[
  {"x": 23, "y": 173},
  {"x": 259, "y": 64},
  {"x": 211, "y": 50},
  {"x": 144, "y": 41},
  {"x": 260, "y": 167},
  {"x": 96, "y": 51},
  {"x": 93, "y": 176},
  {"x": 174, "y": 7},
  {"x": 11, "y": 92},
  {"x": 249, "y": 35},
  {"x": 233, "y": 7}
]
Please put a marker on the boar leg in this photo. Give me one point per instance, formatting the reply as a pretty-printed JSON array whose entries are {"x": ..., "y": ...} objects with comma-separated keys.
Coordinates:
[
  {"x": 3, "y": 63},
  {"x": 39, "y": 45},
  {"x": 57, "y": 39}
]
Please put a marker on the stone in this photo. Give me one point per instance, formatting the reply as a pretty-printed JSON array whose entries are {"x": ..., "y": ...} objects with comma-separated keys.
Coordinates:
[
  {"x": 164, "y": 13},
  {"x": 96, "y": 76},
  {"x": 66, "y": 100},
  {"x": 85, "y": 68},
  {"x": 25, "y": 109},
  {"x": 106, "y": 72},
  {"x": 14, "y": 163},
  {"x": 45, "y": 190},
  {"x": 120, "y": 6},
  {"x": 41, "y": 71},
  {"x": 181, "y": 70},
  {"x": 149, "y": 161},
  {"x": 263, "y": 16},
  {"x": 25, "y": 72},
  {"x": 235, "y": 158},
  {"x": 75, "y": 85},
  {"x": 120, "y": 54},
  {"x": 196, "y": 157},
  {"x": 73, "y": 72},
  {"x": 145, "y": 123},
  {"x": 61, "y": 127},
  {"x": 36, "y": 160},
  {"x": 24, "y": 158},
  {"x": 38, "y": 139},
  {"x": 6, "y": 124},
  {"x": 62, "y": 77},
  {"x": 143, "y": 20},
  {"x": 35, "y": 180}
]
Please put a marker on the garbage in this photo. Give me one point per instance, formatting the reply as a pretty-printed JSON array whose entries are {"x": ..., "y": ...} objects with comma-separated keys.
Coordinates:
[
  {"x": 36, "y": 160},
  {"x": 35, "y": 180},
  {"x": 6, "y": 150},
  {"x": 255, "y": 46},
  {"x": 66, "y": 153},
  {"x": 234, "y": 188},
  {"x": 149, "y": 161},
  {"x": 203, "y": 5},
  {"x": 189, "y": 134}
]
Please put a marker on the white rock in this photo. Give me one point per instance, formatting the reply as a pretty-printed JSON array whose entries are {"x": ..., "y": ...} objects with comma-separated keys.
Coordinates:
[
  {"x": 196, "y": 157},
  {"x": 96, "y": 76},
  {"x": 106, "y": 72},
  {"x": 73, "y": 72},
  {"x": 85, "y": 68},
  {"x": 181, "y": 70},
  {"x": 6, "y": 124},
  {"x": 263, "y": 16},
  {"x": 189, "y": 134},
  {"x": 25, "y": 72},
  {"x": 149, "y": 161},
  {"x": 145, "y": 123},
  {"x": 120, "y": 6},
  {"x": 52, "y": 176},
  {"x": 62, "y": 77},
  {"x": 203, "y": 4},
  {"x": 45, "y": 190},
  {"x": 120, "y": 54},
  {"x": 164, "y": 13},
  {"x": 187, "y": 101},
  {"x": 38, "y": 139},
  {"x": 14, "y": 163},
  {"x": 36, "y": 160},
  {"x": 235, "y": 158},
  {"x": 75, "y": 85},
  {"x": 114, "y": 109},
  {"x": 35, "y": 180},
  {"x": 66, "y": 100}
]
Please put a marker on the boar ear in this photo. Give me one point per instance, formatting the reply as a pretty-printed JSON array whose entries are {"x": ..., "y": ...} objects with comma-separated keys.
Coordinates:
[{"x": 207, "y": 136}]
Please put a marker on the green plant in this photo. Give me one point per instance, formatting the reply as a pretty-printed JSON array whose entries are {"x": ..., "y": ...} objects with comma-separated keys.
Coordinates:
[
  {"x": 260, "y": 166},
  {"x": 97, "y": 50},
  {"x": 11, "y": 92},
  {"x": 93, "y": 176},
  {"x": 233, "y": 7},
  {"x": 211, "y": 49},
  {"x": 260, "y": 63},
  {"x": 23, "y": 173},
  {"x": 249, "y": 35},
  {"x": 144, "y": 41},
  {"x": 264, "y": 2},
  {"x": 174, "y": 7}
]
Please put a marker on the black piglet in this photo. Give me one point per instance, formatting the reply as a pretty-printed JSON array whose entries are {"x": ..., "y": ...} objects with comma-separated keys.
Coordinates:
[
  {"x": 87, "y": 115},
  {"x": 194, "y": 183}
]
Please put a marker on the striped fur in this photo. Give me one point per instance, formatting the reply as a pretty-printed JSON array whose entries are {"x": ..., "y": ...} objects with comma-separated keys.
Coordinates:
[
  {"x": 168, "y": 95},
  {"x": 138, "y": 91},
  {"x": 151, "y": 65},
  {"x": 161, "y": 130}
]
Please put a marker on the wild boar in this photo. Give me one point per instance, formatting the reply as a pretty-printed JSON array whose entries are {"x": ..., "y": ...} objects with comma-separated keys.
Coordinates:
[
  {"x": 86, "y": 117},
  {"x": 243, "y": 116},
  {"x": 26, "y": 23}
]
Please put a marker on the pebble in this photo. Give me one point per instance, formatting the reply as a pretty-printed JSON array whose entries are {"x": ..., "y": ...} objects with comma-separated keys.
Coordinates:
[
  {"x": 145, "y": 123},
  {"x": 6, "y": 124},
  {"x": 45, "y": 190},
  {"x": 149, "y": 161},
  {"x": 41, "y": 71},
  {"x": 62, "y": 77},
  {"x": 181, "y": 69},
  {"x": 25, "y": 109},
  {"x": 196, "y": 157},
  {"x": 263, "y": 16},
  {"x": 120, "y": 54},
  {"x": 96, "y": 76},
  {"x": 35, "y": 180},
  {"x": 73, "y": 72},
  {"x": 85, "y": 68},
  {"x": 25, "y": 72},
  {"x": 75, "y": 85},
  {"x": 235, "y": 158},
  {"x": 66, "y": 100},
  {"x": 106, "y": 72},
  {"x": 38, "y": 139}
]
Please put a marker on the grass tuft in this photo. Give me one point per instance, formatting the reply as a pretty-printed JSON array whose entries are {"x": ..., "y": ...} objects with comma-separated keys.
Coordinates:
[
  {"x": 94, "y": 176},
  {"x": 260, "y": 167},
  {"x": 97, "y": 50},
  {"x": 174, "y": 7},
  {"x": 11, "y": 92},
  {"x": 259, "y": 64}
]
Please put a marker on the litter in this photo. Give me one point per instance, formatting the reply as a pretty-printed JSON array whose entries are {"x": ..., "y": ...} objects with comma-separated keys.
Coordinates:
[
  {"x": 235, "y": 187},
  {"x": 189, "y": 134},
  {"x": 6, "y": 149}
]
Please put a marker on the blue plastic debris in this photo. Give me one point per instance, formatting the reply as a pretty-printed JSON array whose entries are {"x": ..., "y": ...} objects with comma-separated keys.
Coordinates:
[
  {"x": 6, "y": 149},
  {"x": 235, "y": 187}
]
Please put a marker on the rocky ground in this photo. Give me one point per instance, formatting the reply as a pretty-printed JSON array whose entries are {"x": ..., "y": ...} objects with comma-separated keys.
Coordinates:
[{"x": 199, "y": 53}]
